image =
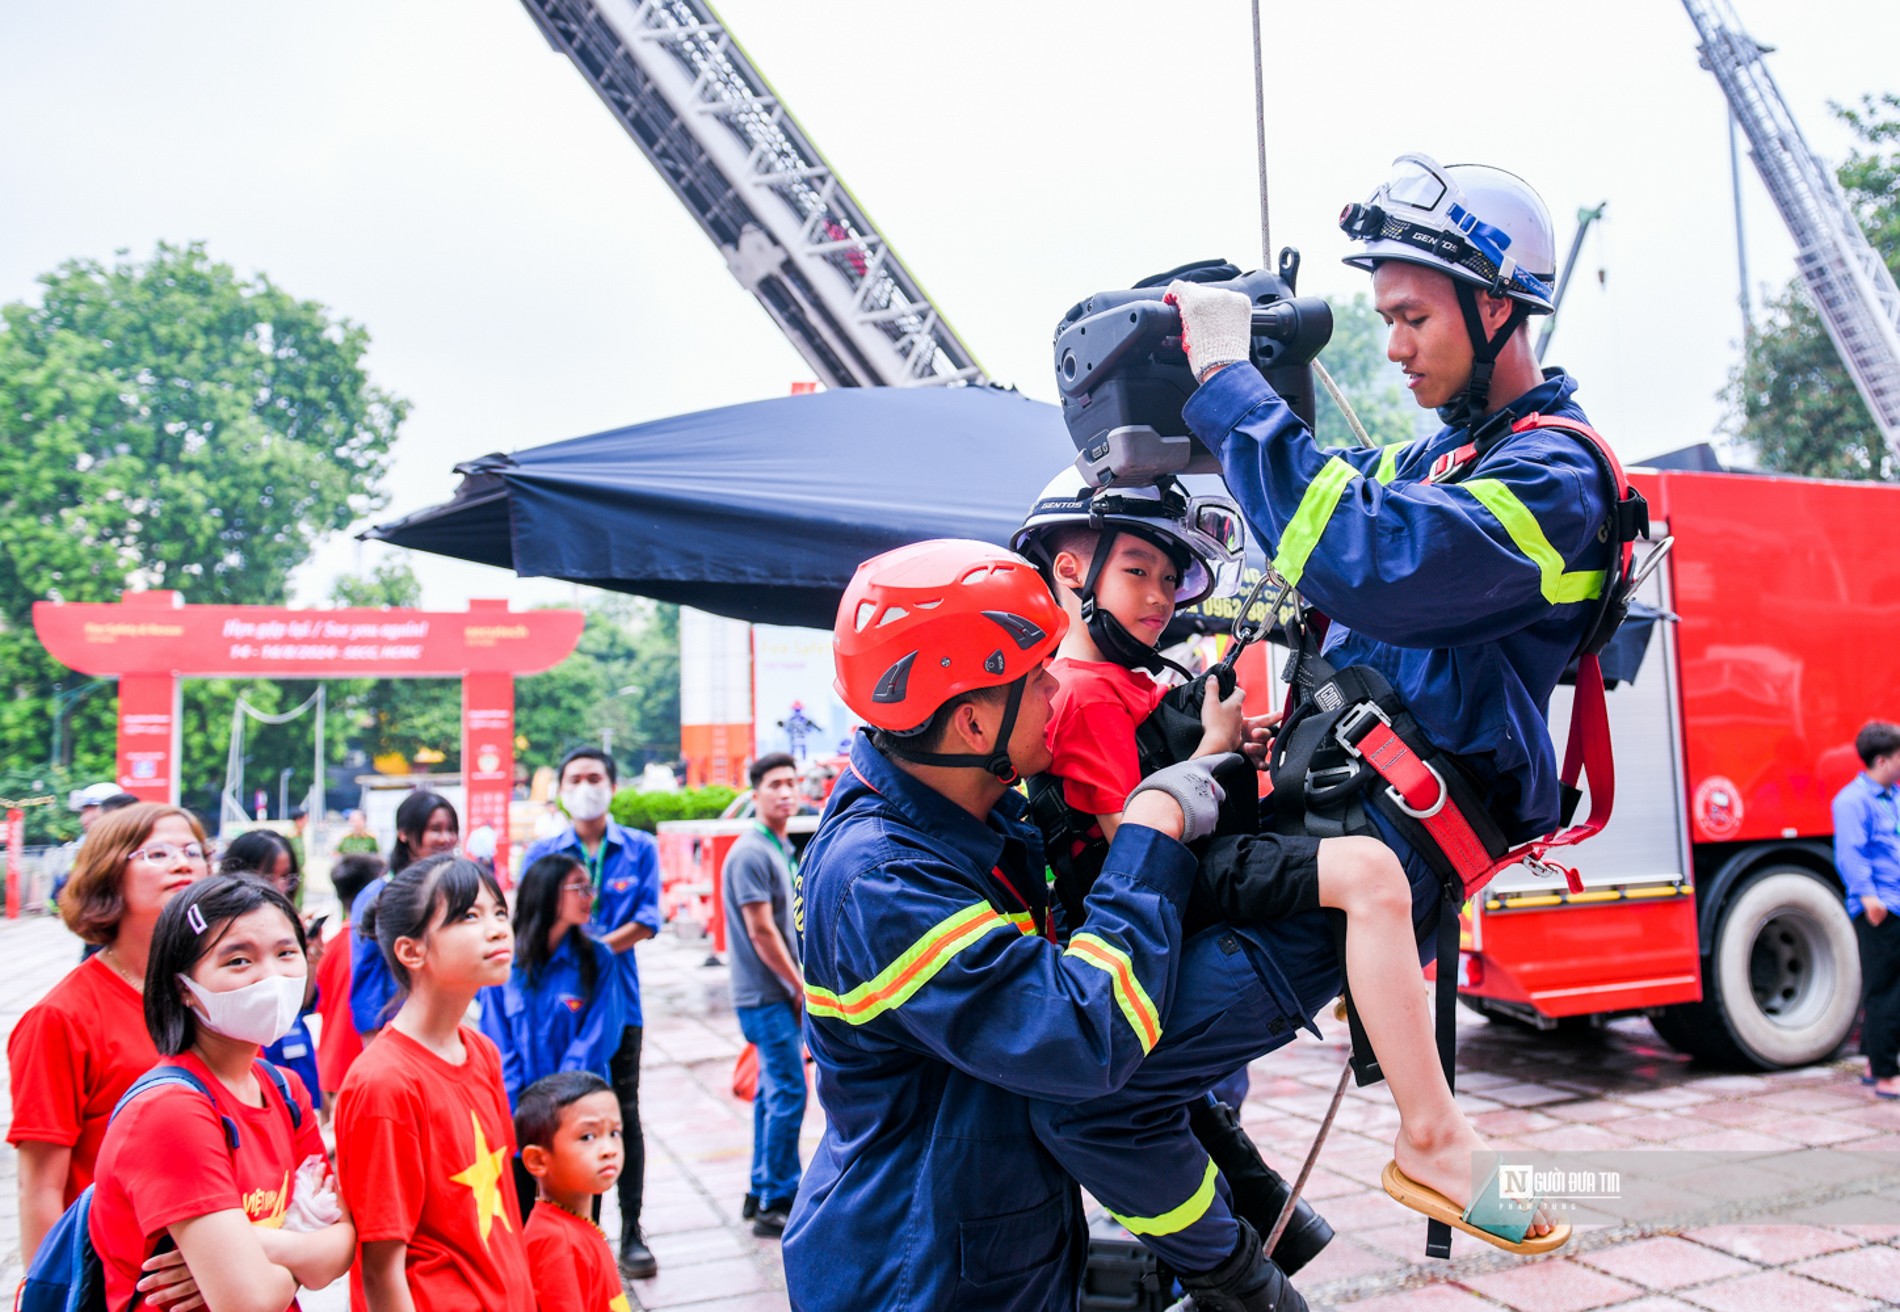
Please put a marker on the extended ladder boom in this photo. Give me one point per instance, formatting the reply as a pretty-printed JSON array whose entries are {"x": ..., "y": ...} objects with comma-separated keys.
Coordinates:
[
  {"x": 790, "y": 230},
  {"x": 1851, "y": 285}
]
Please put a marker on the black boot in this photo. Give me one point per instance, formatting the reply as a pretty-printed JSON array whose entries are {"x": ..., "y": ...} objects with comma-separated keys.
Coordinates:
[
  {"x": 1246, "y": 1282},
  {"x": 1259, "y": 1191}
]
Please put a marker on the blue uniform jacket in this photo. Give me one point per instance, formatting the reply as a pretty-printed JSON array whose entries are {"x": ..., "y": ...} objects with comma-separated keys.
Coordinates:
[
  {"x": 936, "y": 1010},
  {"x": 372, "y": 986},
  {"x": 1470, "y": 597},
  {"x": 626, "y": 889},
  {"x": 551, "y": 1024},
  {"x": 1867, "y": 842}
]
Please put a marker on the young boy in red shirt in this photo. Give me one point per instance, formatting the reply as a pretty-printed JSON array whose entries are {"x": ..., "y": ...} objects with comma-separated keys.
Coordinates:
[
  {"x": 568, "y": 1126},
  {"x": 1121, "y": 561}
]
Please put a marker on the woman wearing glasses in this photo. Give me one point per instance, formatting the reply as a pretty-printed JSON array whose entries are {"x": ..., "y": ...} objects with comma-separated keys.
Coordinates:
[
  {"x": 564, "y": 1004},
  {"x": 80, "y": 1048}
]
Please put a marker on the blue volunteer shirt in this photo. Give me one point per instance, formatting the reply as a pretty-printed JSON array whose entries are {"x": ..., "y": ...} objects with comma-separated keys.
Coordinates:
[
  {"x": 372, "y": 986},
  {"x": 552, "y": 1023},
  {"x": 1867, "y": 842},
  {"x": 626, "y": 875}
]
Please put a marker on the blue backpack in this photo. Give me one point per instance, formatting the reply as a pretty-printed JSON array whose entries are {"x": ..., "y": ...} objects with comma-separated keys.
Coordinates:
[{"x": 66, "y": 1275}]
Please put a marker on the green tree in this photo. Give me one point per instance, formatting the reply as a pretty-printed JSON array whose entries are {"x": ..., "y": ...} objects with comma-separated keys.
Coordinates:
[
  {"x": 1356, "y": 359},
  {"x": 168, "y": 424},
  {"x": 1791, "y": 400}
]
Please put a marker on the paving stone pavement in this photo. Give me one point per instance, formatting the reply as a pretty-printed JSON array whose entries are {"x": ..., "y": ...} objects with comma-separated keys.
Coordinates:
[{"x": 1616, "y": 1090}]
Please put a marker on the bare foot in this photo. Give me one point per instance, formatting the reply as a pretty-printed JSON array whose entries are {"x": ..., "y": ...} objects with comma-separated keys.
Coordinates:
[
  {"x": 1442, "y": 1161},
  {"x": 1890, "y": 1086}
]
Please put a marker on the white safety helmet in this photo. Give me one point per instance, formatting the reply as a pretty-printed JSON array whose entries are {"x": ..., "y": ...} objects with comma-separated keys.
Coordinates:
[
  {"x": 1481, "y": 225},
  {"x": 1202, "y": 533}
]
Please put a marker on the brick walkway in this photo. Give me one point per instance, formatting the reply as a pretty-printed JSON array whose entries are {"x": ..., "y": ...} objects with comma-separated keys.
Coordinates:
[{"x": 1611, "y": 1092}]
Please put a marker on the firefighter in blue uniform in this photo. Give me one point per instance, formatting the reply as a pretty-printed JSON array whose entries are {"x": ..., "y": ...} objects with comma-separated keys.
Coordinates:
[
  {"x": 1463, "y": 567},
  {"x": 939, "y": 1003}
]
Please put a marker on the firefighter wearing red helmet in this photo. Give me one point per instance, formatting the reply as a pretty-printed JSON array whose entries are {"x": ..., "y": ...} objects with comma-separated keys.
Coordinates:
[{"x": 939, "y": 1003}]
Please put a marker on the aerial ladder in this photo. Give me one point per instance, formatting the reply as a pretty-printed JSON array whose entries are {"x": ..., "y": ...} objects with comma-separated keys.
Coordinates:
[
  {"x": 1850, "y": 284},
  {"x": 789, "y": 228}
]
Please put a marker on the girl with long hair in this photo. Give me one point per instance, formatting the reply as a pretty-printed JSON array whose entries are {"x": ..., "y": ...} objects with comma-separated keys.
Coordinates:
[
  {"x": 424, "y": 1134},
  {"x": 564, "y": 1005}
]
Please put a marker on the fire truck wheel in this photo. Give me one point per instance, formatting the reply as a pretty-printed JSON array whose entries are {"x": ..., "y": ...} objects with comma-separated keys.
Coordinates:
[{"x": 1782, "y": 985}]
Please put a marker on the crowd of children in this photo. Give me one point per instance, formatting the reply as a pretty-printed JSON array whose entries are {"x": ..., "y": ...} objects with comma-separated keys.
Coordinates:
[{"x": 466, "y": 1170}]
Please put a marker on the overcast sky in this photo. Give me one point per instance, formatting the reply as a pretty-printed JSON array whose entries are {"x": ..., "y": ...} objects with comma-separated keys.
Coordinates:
[{"x": 430, "y": 169}]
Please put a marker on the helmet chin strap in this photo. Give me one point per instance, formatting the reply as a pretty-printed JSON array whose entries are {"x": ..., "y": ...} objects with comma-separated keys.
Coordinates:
[
  {"x": 997, "y": 762},
  {"x": 1471, "y": 405},
  {"x": 1111, "y": 637}
]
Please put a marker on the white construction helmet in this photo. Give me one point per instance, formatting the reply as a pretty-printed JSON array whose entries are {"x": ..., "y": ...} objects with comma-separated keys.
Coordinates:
[
  {"x": 1483, "y": 226},
  {"x": 1202, "y": 533}
]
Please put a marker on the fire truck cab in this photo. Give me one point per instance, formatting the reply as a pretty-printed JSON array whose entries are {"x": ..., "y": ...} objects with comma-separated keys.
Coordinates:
[{"x": 1711, "y": 902}]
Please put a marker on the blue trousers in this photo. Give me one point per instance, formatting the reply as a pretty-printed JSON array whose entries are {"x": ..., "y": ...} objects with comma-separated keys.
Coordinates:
[
  {"x": 1241, "y": 992},
  {"x": 778, "y": 1108}
]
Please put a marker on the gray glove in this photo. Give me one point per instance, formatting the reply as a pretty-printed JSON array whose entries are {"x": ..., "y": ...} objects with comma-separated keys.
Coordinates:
[
  {"x": 1191, "y": 784},
  {"x": 1216, "y": 325}
]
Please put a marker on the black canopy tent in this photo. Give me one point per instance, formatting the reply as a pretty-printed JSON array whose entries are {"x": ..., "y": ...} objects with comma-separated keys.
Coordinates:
[{"x": 760, "y": 511}]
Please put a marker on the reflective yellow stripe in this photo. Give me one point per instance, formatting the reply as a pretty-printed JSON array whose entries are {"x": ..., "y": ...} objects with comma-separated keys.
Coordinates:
[
  {"x": 1559, "y": 586},
  {"x": 1140, "y": 1010},
  {"x": 1023, "y": 920},
  {"x": 1309, "y": 521},
  {"x": 1176, "y": 1219},
  {"x": 1389, "y": 463},
  {"x": 894, "y": 985}
]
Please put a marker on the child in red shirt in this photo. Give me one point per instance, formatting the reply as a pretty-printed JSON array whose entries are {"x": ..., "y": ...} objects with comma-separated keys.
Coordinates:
[
  {"x": 1120, "y": 562},
  {"x": 424, "y": 1138},
  {"x": 569, "y": 1128},
  {"x": 235, "y": 1180}
]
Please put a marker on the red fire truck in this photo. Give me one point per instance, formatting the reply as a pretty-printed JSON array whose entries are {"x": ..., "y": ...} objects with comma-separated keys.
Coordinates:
[{"x": 1711, "y": 901}]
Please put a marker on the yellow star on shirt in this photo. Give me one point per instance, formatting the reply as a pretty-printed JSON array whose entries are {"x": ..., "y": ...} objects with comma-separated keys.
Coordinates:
[{"x": 483, "y": 1177}]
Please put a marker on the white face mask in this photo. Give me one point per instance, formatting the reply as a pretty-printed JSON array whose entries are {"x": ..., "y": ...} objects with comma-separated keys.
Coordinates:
[
  {"x": 586, "y": 802},
  {"x": 259, "y": 1013}
]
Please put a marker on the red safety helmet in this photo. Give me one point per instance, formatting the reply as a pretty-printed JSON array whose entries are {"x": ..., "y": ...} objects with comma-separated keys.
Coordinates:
[{"x": 924, "y": 623}]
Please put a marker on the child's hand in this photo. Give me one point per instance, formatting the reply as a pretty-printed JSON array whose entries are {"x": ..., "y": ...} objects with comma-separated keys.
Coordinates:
[
  {"x": 1256, "y": 737},
  {"x": 1220, "y": 720}
]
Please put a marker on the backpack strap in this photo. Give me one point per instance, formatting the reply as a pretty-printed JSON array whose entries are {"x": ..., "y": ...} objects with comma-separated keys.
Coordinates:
[
  {"x": 162, "y": 1075},
  {"x": 282, "y": 1081}
]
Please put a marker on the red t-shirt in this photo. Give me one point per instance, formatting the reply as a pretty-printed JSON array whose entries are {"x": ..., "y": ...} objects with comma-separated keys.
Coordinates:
[
  {"x": 1092, "y": 733},
  {"x": 166, "y": 1160},
  {"x": 573, "y": 1267},
  {"x": 71, "y": 1058},
  {"x": 423, "y": 1153},
  {"x": 338, "y": 1043}
]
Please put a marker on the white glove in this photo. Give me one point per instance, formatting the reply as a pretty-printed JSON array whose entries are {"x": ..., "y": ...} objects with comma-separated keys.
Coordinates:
[
  {"x": 1191, "y": 785},
  {"x": 313, "y": 1202},
  {"x": 1216, "y": 325}
]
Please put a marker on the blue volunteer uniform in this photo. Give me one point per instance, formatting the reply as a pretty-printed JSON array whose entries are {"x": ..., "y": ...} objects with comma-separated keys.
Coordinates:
[
  {"x": 1867, "y": 842},
  {"x": 551, "y": 1023},
  {"x": 372, "y": 986},
  {"x": 936, "y": 1010},
  {"x": 626, "y": 875},
  {"x": 1470, "y": 597}
]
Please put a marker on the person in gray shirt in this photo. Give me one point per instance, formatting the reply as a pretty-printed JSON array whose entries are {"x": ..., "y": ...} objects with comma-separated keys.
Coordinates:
[{"x": 767, "y": 990}]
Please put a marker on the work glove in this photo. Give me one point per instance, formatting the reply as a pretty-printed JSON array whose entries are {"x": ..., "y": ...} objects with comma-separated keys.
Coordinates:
[
  {"x": 313, "y": 1204},
  {"x": 1216, "y": 325},
  {"x": 1191, "y": 785}
]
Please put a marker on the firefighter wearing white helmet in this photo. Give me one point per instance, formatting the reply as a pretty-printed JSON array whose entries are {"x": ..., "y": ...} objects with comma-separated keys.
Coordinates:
[
  {"x": 1200, "y": 533},
  {"x": 1461, "y": 573}
]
